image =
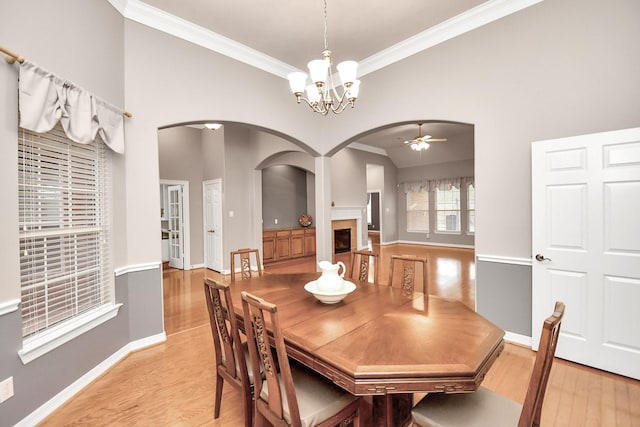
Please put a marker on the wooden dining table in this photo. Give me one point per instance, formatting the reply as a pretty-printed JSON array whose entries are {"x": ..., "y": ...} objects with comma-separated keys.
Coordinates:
[{"x": 381, "y": 341}]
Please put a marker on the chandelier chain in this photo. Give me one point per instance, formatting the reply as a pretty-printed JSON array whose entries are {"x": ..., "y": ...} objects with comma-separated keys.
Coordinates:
[{"x": 326, "y": 43}]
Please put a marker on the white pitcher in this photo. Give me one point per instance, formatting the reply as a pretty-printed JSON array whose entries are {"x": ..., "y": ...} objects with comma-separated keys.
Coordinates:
[{"x": 331, "y": 280}]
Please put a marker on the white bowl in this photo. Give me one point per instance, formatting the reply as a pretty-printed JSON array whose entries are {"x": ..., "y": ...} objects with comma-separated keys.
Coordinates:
[{"x": 330, "y": 297}]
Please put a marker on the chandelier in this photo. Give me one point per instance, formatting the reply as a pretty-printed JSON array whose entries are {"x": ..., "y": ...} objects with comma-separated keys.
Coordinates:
[{"x": 322, "y": 95}]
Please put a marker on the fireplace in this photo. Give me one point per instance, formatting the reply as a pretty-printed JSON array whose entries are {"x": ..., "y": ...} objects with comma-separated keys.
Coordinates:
[{"x": 342, "y": 240}]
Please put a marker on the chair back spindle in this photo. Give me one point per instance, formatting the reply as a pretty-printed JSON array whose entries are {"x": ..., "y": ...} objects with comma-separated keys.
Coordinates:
[
  {"x": 245, "y": 264},
  {"x": 361, "y": 263},
  {"x": 403, "y": 271}
]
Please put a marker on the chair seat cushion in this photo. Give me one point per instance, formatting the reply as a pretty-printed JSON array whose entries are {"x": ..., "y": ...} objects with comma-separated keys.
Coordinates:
[
  {"x": 318, "y": 398},
  {"x": 480, "y": 408}
]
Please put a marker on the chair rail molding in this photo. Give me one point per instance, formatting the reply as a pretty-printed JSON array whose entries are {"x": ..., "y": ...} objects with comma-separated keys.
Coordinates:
[
  {"x": 504, "y": 259},
  {"x": 10, "y": 306}
]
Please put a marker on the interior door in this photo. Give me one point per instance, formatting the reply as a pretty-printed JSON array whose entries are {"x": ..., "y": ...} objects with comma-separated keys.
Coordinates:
[
  {"x": 586, "y": 246},
  {"x": 213, "y": 224},
  {"x": 176, "y": 227}
]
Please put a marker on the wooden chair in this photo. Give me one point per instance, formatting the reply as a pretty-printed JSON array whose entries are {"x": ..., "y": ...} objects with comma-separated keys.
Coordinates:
[
  {"x": 295, "y": 396},
  {"x": 403, "y": 271},
  {"x": 487, "y": 408},
  {"x": 244, "y": 256},
  {"x": 231, "y": 355},
  {"x": 361, "y": 262}
]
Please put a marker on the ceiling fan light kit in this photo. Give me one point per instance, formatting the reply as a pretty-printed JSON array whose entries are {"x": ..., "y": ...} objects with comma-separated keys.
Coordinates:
[
  {"x": 419, "y": 143},
  {"x": 322, "y": 95}
]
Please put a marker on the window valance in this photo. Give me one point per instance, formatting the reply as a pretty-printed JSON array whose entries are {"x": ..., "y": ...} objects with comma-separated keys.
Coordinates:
[
  {"x": 46, "y": 99},
  {"x": 440, "y": 184}
]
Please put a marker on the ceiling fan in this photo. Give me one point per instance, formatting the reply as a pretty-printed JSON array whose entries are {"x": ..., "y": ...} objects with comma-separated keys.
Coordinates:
[{"x": 421, "y": 142}]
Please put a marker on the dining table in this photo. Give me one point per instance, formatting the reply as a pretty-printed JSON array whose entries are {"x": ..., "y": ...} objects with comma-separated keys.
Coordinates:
[{"x": 380, "y": 341}]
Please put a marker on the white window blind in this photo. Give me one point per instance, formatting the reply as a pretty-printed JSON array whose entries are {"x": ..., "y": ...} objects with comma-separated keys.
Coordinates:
[
  {"x": 64, "y": 218},
  {"x": 448, "y": 209},
  {"x": 418, "y": 210}
]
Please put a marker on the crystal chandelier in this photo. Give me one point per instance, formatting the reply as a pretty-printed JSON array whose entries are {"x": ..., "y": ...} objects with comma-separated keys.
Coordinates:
[{"x": 322, "y": 95}]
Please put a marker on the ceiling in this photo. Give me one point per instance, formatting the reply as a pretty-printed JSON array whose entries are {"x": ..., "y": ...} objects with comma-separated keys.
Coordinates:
[{"x": 376, "y": 33}]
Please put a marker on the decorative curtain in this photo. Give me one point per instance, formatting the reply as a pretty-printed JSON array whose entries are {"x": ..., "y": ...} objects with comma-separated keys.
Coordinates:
[
  {"x": 416, "y": 187},
  {"x": 46, "y": 99},
  {"x": 441, "y": 184}
]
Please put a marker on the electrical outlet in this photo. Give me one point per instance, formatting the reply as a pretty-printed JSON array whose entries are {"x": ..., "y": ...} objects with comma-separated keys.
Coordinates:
[{"x": 6, "y": 389}]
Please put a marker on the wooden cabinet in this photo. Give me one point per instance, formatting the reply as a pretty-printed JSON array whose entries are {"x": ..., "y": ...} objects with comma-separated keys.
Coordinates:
[
  {"x": 289, "y": 243},
  {"x": 309, "y": 241},
  {"x": 268, "y": 246},
  {"x": 283, "y": 244},
  {"x": 297, "y": 243}
]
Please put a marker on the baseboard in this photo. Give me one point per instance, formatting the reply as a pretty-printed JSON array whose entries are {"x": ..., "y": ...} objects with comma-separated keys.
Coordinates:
[
  {"x": 517, "y": 339},
  {"x": 70, "y": 391}
]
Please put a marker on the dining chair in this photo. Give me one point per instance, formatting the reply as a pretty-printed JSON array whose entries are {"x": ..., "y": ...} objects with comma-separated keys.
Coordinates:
[
  {"x": 244, "y": 256},
  {"x": 403, "y": 271},
  {"x": 485, "y": 407},
  {"x": 289, "y": 394},
  {"x": 231, "y": 355},
  {"x": 361, "y": 262}
]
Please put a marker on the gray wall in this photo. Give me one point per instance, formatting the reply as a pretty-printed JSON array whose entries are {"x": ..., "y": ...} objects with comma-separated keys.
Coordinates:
[
  {"x": 504, "y": 295},
  {"x": 537, "y": 74},
  {"x": 87, "y": 49},
  {"x": 284, "y": 196}
]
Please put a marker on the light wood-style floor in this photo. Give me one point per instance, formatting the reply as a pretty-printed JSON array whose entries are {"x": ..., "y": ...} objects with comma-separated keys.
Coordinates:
[{"x": 172, "y": 384}]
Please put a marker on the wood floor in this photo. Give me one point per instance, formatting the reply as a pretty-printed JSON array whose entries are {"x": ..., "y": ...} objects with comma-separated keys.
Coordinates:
[{"x": 172, "y": 384}]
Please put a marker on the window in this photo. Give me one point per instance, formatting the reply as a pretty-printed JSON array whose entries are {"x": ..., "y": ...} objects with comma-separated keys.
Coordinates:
[
  {"x": 471, "y": 209},
  {"x": 448, "y": 210},
  {"x": 64, "y": 211},
  {"x": 418, "y": 210}
]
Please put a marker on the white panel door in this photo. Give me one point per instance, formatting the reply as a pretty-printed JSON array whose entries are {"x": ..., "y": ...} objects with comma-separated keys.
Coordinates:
[
  {"x": 213, "y": 224},
  {"x": 176, "y": 226},
  {"x": 586, "y": 246}
]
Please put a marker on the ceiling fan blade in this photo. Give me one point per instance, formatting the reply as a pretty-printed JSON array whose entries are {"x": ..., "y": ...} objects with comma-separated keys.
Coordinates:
[{"x": 437, "y": 140}]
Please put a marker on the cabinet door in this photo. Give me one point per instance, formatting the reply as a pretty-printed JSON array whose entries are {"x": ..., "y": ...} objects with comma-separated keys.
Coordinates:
[
  {"x": 283, "y": 245},
  {"x": 309, "y": 242},
  {"x": 297, "y": 243},
  {"x": 268, "y": 246}
]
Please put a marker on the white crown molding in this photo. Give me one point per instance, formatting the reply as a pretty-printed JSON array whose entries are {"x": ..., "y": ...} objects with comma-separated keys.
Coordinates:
[
  {"x": 142, "y": 13},
  {"x": 485, "y": 13}
]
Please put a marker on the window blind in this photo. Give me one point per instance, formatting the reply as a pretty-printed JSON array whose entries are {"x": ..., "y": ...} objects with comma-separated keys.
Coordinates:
[
  {"x": 418, "y": 210},
  {"x": 64, "y": 217}
]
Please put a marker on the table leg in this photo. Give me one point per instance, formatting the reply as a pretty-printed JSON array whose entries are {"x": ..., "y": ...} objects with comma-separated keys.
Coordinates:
[{"x": 392, "y": 410}]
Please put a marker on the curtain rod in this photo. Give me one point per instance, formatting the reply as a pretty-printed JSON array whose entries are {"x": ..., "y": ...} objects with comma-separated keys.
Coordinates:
[{"x": 12, "y": 57}]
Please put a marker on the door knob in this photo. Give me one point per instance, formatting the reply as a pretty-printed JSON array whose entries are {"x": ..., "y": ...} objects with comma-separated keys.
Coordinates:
[{"x": 540, "y": 257}]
